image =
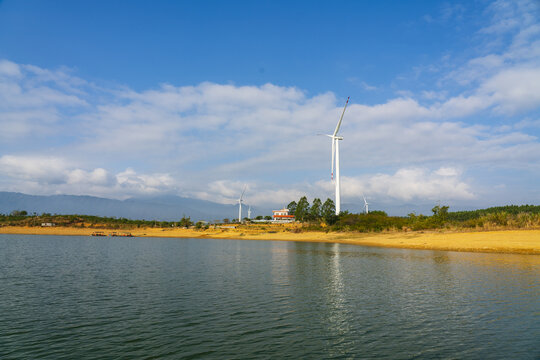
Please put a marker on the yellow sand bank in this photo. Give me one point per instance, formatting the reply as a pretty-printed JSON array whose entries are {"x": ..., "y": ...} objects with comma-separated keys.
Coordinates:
[{"x": 510, "y": 241}]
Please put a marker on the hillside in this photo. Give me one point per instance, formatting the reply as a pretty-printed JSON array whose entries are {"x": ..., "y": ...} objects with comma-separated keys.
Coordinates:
[{"x": 163, "y": 208}]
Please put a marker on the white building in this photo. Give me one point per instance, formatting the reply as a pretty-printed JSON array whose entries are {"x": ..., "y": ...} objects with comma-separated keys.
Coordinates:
[{"x": 282, "y": 216}]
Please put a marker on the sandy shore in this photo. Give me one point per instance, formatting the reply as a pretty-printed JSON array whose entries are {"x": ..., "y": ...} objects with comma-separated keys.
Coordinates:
[{"x": 509, "y": 241}]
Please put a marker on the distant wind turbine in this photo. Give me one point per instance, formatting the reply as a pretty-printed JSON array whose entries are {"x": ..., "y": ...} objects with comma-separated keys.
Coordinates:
[
  {"x": 249, "y": 212},
  {"x": 240, "y": 205},
  {"x": 335, "y": 156},
  {"x": 366, "y": 208}
]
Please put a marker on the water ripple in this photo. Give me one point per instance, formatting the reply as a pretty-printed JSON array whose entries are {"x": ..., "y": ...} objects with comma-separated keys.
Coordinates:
[{"x": 79, "y": 297}]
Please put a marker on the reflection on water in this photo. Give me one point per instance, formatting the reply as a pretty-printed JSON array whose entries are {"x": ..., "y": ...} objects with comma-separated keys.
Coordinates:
[{"x": 79, "y": 297}]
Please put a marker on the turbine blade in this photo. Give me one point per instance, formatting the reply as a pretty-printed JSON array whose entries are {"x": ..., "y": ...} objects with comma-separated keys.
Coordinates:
[
  {"x": 243, "y": 191},
  {"x": 341, "y": 118}
]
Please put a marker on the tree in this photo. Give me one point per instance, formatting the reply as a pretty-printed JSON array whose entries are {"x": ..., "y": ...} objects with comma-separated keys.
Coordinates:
[
  {"x": 201, "y": 225},
  {"x": 185, "y": 222},
  {"x": 315, "y": 211},
  {"x": 267, "y": 217},
  {"x": 328, "y": 211},
  {"x": 292, "y": 207},
  {"x": 302, "y": 209},
  {"x": 439, "y": 215},
  {"x": 226, "y": 221},
  {"x": 259, "y": 217},
  {"x": 440, "y": 212}
]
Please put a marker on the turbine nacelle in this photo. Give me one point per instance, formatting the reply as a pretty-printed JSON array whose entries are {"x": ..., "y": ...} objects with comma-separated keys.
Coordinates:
[{"x": 334, "y": 137}]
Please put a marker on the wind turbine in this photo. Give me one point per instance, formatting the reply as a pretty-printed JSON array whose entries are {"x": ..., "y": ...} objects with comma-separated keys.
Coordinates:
[
  {"x": 366, "y": 208},
  {"x": 240, "y": 205},
  {"x": 249, "y": 212},
  {"x": 335, "y": 155}
]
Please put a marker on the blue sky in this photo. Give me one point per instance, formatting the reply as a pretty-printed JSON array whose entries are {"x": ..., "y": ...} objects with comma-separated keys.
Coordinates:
[{"x": 130, "y": 98}]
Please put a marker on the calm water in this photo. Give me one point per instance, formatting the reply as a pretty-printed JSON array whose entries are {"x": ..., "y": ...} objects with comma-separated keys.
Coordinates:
[{"x": 87, "y": 298}]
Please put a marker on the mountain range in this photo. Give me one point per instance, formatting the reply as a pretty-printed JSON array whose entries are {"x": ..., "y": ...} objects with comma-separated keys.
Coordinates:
[
  {"x": 162, "y": 208},
  {"x": 166, "y": 207}
]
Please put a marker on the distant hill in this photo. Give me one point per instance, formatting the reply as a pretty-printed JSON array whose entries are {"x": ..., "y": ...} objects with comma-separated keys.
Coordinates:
[
  {"x": 162, "y": 208},
  {"x": 168, "y": 208}
]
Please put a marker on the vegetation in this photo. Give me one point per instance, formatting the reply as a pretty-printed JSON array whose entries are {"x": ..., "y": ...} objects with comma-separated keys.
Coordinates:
[
  {"x": 318, "y": 216},
  {"x": 185, "y": 222},
  {"x": 21, "y": 218},
  {"x": 317, "y": 212},
  {"x": 322, "y": 217}
]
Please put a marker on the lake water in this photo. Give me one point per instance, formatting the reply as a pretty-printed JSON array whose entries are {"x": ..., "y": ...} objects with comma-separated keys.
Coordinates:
[{"x": 133, "y": 298}]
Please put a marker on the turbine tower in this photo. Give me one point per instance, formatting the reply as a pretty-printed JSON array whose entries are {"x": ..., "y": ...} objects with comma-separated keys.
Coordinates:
[
  {"x": 366, "y": 209},
  {"x": 249, "y": 212},
  {"x": 335, "y": 156},
  {"x": 240, "y": 205}
]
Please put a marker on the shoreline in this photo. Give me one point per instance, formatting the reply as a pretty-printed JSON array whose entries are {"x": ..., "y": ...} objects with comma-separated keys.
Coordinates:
[{"x": 526, "y": 242}]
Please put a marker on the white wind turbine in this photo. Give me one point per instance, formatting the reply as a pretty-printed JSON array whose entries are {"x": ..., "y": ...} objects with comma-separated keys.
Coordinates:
[
  {"x": 249, "y": 212},
  {"x": 366, "y": 208},
  {"x": 240, "y": 205},
  {"x": 335, "y": 155}
]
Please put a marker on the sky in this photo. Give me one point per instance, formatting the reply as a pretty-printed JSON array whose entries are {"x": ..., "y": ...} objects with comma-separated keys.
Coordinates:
[{"x": 123, "y": 99}]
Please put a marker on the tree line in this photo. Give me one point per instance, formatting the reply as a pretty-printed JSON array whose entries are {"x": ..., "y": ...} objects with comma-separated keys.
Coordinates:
[
  {"x": 317, "y": 211},
  {"x": 22, "y": 218},
  {"x": 319, "y": 216}
]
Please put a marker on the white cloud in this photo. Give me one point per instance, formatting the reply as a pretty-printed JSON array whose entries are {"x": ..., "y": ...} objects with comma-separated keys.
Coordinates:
[
  {"x": 33, "y": 101},
  {"x": 394, "y": 110},
  {"x": 134, "y": 183},
  {"x": 510, "y": 42},
  {"x": 514, "y": 90},
  {"x": 433, "y": 95},
  {"x": 461, "y": 106},
  {"x": 97, "y": 176},
  {"x": 36, "y": 168},
  {"x": 17, "y": 124},
  {"x": 259, "y": 136},
  {"x": 447, "y": 172},
  {"x": 407, "y": 184},
  {"x": 527, "y": 123},
  {"x": 261, "y": 194},
  {"x": 447, "y": 12},
  {"x": 368, "y": 87},
  {"x": 8, "y": 68},
  {"x": 510, "y": 15},
  {"x": 54, "y": 174},
  {"x": 452, "y": 11},
  {"x": 21, "y": 93}
]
